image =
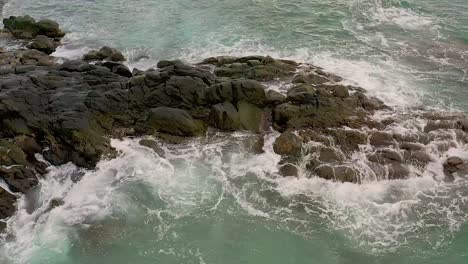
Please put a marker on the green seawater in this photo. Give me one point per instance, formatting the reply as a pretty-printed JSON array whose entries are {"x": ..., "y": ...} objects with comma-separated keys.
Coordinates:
[{"x": 213, "y": 202}]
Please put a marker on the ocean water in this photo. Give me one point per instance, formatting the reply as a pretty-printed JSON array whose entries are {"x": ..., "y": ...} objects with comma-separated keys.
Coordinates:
[{"x": 211, "y": 201}]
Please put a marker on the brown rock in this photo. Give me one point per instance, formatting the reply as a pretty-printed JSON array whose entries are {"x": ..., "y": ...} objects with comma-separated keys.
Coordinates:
[
  {"x": 288, "y": 144},
  {"x": 379, "y": 138}
]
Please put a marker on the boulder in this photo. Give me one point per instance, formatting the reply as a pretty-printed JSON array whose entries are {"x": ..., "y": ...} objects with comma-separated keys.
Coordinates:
[
  {"x": 237, "y": 90},
  {"x": 173, "y": 121},
  {"x": 43, "y": 43},
  {"x": 252, "y": 67},
  {"x": 379, "y": 138},
  {"x": 224, "y": 116},
  {"x": 105, "y": 53},
  {"x": 49, "y": 28},
  {"x": 288, "y": 144},
  {"x": 274, "y": 98},
  {"x": 253, "y": 118},
  {"x": 7, "y": 205},
  {"x": 25, "y": 27},
  {"x": 288, "y": 170}
]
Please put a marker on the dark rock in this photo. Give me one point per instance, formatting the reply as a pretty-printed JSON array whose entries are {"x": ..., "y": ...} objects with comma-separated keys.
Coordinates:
[
  {"x": 311, "y": 78},
  {"x": 225, "y": 117},
  {"x": 49, "y": 28},
  {"x": 154, "y": 146},
  {"x": 250, "y": 68},
  {"x": 274, "y": 98},
  {"x": 19, "y": 178},
  {"x": 463, "y": 124},
  {"x": 237, "y": 90},
  {"x": 325, "y": 172},
  {"x": 43, "y": 43},
  {"x": 288, "y": 144},
  {"x": 348, "y": 139},
  {"x": 122, "y": 70},
  {"x": 329, "y": 155},
  {"x": 386, "y": 156},
  {"x": 346, "y": 174},
  {"x": 7, "y": 204},
  {"x": 288, "y": 170},
  {"x": 379, "y": 138},
  {"x": 454, "y": 161},
  {"x": 173, "y": 121},
  {"x": 253, "y": 118},
  {"x": 411, "y": 146},
  {"x": 397, "y": 171},
  {"x": 439, "y": 124},
  {"x": 26, "y": 27},
  {"x": 105, "y": 53}
]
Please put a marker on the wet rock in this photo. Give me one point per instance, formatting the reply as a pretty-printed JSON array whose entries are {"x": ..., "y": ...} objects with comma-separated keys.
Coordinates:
[
  {"x": 255, "y": 144},
  {"x": 274, "y": 98},
  {"x": 252, "y": 67},
  {"x": 463, "y": 124},
  {"x": 225, "y": 117},
  {"x": 105, "y": 53},
  {"x": 288, "y": 170},
  {"x": 325, "y": 171},
  {"x": 288, "y": 144},
  {"x": 454, "y": 161},
  {"x": 253, "y": 118},
  {"x": 397, "y": 171},
  {"x": 19, "y": 178},
  {"x": 349, "y": 139},
  {"x": 329, "y": 155},
  {"x": 411, "y": 146},
  {"x": 379, "y": 138},
  {"x": 420, "y": 158},
  {"x": 7, "y": 204},
  {"x": 44, "y": 44},
  {"x": 386, "y": 156},
  {"x": 173, "y": 121},
  {"x": 236, "y": 91},
  {"x": 311, "y": 78},
  {"x": 340, "y": 91},
  {"x": 439, "y": 124},
  {"x": 154, "y": 146},
  {"x": 346, "y": 174},
  {"x": 26, "y": 27}
]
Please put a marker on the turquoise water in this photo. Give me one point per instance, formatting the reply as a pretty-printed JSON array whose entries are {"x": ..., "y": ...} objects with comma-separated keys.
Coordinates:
[{"x": 205, "y": 202}]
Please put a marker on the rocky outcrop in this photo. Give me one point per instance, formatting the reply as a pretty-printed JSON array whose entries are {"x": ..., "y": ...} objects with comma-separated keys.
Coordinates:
[
  {"x": 67, "y": 113},
  {"x": 26, "y": 27}
]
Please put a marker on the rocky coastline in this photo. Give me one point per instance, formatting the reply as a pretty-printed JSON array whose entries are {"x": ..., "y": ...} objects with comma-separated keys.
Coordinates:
[{"x": 53, "y": 113}]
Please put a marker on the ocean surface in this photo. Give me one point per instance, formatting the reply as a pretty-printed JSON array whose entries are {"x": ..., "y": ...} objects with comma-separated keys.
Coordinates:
[{"x": 211, "y": 201}]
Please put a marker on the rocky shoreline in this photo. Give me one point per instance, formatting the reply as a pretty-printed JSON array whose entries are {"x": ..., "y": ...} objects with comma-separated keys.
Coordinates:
[{"x": 67, "y": 112}]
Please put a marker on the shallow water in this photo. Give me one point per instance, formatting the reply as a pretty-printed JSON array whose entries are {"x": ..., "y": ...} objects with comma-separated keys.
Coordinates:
[{"x": 212, "y": 201}]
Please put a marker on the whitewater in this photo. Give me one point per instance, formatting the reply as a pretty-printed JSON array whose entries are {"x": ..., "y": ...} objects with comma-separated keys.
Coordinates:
[{"x": 211, "y": 199}]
